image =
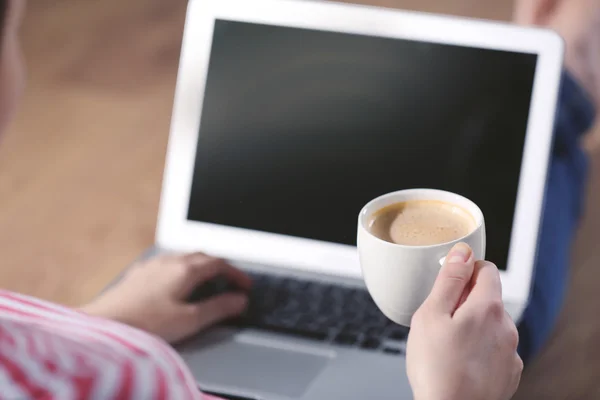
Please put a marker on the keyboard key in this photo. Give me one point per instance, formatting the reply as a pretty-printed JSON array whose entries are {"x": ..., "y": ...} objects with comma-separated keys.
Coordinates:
[
  {"x": 373, "y": 331},
  {"x": 291, "y": 305},
  {"x": 398, "y": 333},
  {"x": 346, "y": 339},
  {"x": 324, "y": 321},
  {"x": 336, "y": 292},
  {"x": 351, "y": 328},
  {"x": 349, "y": 315},
  {"x": 393, "y": 351},
  {"x": 305, "y": 322},
  {"x": 371, "y": 343}
]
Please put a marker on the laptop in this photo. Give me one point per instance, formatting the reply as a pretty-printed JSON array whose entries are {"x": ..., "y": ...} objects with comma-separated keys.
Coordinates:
[{"x": 289, "y": 116}]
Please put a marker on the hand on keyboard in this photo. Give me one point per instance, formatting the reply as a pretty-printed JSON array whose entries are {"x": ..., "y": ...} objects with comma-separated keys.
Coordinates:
[{"x": 155, "y": 296}]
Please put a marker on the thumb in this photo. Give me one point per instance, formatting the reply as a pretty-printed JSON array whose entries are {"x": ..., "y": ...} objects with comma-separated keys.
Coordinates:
[{"x": 453, "y": 279}]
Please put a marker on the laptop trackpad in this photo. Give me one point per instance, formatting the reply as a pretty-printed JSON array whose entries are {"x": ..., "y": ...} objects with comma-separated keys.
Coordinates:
[{"x": 254, "y": 366}]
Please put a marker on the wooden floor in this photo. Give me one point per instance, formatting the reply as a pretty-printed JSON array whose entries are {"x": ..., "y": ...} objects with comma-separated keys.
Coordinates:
[{"x": 81, "y": 168}]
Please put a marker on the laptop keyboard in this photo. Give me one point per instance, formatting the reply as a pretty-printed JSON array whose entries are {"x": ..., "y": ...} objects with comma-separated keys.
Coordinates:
[{"x": 322, "y": 312}]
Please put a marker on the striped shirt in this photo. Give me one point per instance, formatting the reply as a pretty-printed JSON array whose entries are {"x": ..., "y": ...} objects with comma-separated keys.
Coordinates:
[{"x": 51, "y": 352}]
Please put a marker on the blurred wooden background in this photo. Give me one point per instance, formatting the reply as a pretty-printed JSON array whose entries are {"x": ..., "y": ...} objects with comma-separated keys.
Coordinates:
[{"x": 80, "y": 170}]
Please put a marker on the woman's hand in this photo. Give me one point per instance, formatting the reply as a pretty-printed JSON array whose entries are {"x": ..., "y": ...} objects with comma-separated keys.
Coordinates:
[
  {"x": 462, "y": 343},
  {"x": 152, "y": 296}
]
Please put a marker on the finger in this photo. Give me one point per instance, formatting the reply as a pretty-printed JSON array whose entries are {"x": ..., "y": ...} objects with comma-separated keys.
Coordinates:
[
  {"x": 486, "y": 283},
  {"x": 452, "y": 280},
  {"x": 215, "y": 310},
  {"x": 205, "y": 268}
]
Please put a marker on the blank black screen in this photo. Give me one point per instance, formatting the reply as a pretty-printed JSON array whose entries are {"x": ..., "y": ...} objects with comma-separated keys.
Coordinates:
[{"x": 301, "y": 128}]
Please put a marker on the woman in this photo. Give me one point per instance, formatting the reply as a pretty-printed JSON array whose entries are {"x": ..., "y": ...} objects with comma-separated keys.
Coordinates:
[{"x": 462, "y": 344}]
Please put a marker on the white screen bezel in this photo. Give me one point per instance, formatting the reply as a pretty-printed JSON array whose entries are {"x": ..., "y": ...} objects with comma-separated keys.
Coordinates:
[{"x": 176, "y": 233}]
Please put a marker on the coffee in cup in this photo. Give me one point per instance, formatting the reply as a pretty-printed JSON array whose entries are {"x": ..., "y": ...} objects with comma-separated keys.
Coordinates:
[
  {"x": 421, "y": 223},
  {"x": 403, "y": 238}
]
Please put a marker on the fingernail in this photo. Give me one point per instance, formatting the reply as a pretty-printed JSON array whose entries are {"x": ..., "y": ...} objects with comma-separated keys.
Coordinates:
[{"x": 460, "y": 253}]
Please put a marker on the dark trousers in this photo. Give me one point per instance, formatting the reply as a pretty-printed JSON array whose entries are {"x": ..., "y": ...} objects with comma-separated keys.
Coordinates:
[{"x": 563, "y": 208}]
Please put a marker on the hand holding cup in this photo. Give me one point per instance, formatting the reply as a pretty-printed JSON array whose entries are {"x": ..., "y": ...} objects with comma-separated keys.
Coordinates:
[{"x": 462, "y": 344}]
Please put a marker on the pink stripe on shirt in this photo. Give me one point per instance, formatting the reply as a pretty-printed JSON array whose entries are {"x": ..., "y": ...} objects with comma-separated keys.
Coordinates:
[{"x": 53, "y": 352}]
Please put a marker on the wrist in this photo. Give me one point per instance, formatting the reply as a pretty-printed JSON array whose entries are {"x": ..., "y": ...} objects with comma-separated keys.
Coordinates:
[{"x": 99, "y": 310}]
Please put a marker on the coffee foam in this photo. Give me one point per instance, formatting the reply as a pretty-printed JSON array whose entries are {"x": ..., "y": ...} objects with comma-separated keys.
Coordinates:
[{"x": 421, "y": 223}]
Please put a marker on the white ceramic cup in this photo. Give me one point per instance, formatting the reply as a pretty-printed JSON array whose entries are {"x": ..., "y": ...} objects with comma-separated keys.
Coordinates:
[{"x": 400, "y": 277}]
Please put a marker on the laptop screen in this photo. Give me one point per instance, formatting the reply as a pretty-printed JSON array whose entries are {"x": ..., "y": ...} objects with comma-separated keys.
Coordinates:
[{"x": 301, "y": 128}]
